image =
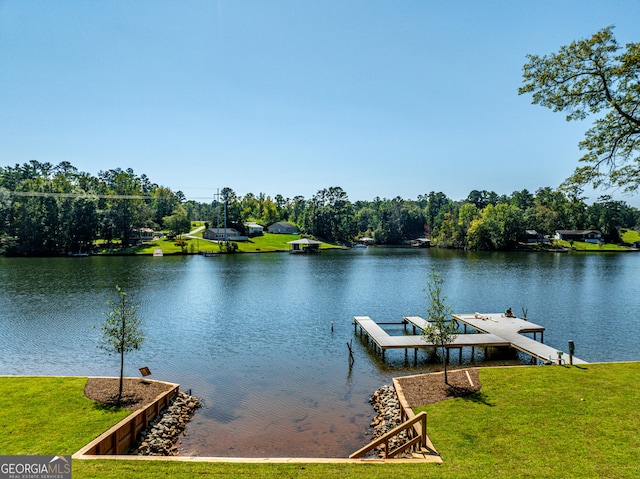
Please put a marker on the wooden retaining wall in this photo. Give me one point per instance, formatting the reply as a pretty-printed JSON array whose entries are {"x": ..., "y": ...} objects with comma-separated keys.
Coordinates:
[{"x": 121, "y": 438}]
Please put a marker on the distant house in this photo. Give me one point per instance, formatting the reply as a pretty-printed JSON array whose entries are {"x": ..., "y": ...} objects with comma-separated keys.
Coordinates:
[
  {"x": 224, "y": 234},
  {"x": 282, "y": 227},
  {"x": 254, "y": 229},
  {"x": 588, "y": 236},
  {"x": 532, "y": 236},
  {"x": 142, "y": 234},
  {"x": 421, "y": 243},
  {"x": 366, "y": 240}
]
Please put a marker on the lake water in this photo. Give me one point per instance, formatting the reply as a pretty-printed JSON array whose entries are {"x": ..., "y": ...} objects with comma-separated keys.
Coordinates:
[{"x": 252, "y": 334}]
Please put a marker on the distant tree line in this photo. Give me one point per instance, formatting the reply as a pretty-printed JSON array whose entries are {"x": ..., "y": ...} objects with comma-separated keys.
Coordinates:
[{"x": 49, "y": 210}]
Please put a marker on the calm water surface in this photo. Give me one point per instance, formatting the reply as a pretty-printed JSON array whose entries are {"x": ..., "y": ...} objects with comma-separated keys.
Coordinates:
[{"x": 251, "y": 334}]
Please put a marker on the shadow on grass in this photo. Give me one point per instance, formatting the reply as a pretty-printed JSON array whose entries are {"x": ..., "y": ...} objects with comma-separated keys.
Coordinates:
[
  {"x": 100, "y": 406},
  {"x": 478, "y": 397},
  {"x": 111, "y": 404}
]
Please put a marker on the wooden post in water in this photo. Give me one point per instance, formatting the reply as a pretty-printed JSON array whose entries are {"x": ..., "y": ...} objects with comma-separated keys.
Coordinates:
[{"x": 351, "y": 358}]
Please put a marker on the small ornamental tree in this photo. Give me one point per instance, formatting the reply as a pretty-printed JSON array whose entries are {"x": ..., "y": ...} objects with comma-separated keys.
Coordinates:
[
  {"x": 441, "y": 330},
  {"x": 121, "y": 331}
]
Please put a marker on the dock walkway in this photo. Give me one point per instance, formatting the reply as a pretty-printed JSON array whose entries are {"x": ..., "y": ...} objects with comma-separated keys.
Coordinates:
[
  {"x": 512, "y": 330},
  {"x": 493, "y": 330},
  {"x": 383, "y": 341}
]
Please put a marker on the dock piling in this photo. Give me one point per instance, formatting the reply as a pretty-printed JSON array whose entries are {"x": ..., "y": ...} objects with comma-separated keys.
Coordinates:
[{"x": 351, "y": 358}]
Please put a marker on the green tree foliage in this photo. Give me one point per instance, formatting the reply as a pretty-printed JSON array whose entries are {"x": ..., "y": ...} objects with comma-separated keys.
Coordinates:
[
  {"x": 228, "y": 246},
  {"x": 178, "y": 221},
  {"x": 54, "y": 210},
  {"x": 5, "y": 209},
  {"x": 125, "y": 216},
  {"x": 595, "y": 76},
  {"x": 84, "y": 222},
  {"x": 121, "y": 331},
  {"x": 440, "y": 330},
  {"x": 164, "y": 203},
  {"x": 49, "y": 210},
  {"x": 608, "y": 216}
]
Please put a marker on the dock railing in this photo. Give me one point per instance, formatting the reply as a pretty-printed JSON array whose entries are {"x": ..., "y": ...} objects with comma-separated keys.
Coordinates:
[{"x": 417, "y": 434}]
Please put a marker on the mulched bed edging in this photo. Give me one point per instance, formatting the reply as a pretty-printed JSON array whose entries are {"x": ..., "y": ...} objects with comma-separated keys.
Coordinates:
[{"x": 159, "y": 407}]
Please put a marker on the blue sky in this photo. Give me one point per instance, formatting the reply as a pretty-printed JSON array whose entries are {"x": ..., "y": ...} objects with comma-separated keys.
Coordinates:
[{"x": 381, "y": 98}]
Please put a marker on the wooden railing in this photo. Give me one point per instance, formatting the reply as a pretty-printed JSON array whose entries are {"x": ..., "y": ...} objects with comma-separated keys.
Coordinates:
[{"x": 417, "y": 438}]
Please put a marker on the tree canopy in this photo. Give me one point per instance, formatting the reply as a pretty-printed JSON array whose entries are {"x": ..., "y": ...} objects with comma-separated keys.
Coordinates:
[
  {"x": 54, "y": 210},
  {"x": 595, "y": 76}
]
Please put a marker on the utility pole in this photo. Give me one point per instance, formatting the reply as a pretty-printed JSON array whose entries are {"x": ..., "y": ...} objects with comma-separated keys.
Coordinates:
[
  {"x": 226, "y": 238},
  {"x": 217, "y": 196}
]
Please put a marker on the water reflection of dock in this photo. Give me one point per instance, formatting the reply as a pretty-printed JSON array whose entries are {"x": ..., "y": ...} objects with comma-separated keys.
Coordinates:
[{"x": 493, "y": 330}]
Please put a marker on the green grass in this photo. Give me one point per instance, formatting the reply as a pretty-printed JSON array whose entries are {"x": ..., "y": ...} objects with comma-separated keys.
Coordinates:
[
  {"x": 260, "y": 244},
  {"x": 167, "y": 245},
  {"x": 630, "y": 236},
  {"x": 273, "y": 242},
  {"x": 590, "y": 247},
  {"x": 527, "y": 422},
  {"x": 543, "y": 422},
  {"x": 50, "y": 415},
  {"x": 184, "y": 470}
]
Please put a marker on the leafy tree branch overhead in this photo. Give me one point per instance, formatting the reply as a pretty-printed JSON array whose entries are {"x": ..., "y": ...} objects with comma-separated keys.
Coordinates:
[{"x": 595, "y": 76}]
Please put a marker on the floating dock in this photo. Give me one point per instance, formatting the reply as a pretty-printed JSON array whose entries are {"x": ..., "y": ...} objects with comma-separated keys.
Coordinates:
[{"x": 494, "y": 330}]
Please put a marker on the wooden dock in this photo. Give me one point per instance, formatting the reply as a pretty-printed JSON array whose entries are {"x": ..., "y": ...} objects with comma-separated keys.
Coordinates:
[
  {"x": 512, "y": 330},
  {"x": 494, "y": 330}
]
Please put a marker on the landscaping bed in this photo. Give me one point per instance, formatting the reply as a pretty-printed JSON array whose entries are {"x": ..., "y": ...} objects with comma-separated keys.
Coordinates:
[
  {"x": 136, "y": 392},
  {"x": 430, "y": 388}
]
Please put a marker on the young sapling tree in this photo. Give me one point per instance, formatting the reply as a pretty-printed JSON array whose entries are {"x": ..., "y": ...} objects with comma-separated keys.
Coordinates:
[
  {"x": 441, "y": 330},
  {"x": 121, "y": 331}
]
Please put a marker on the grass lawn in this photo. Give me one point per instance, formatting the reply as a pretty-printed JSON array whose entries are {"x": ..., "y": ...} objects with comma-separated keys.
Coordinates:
[
  {"x": 50, "y": 415},
  {"x": 630, "y": 236},
  {"x": 167, "y": 246},
  {"x": 526, "y": 422},
  {"x": 590, "y": 247},
  {"x": 266, "y": 243},
  {"x": 273, "y": 242},
  {"x": 543, "y": 422}
]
